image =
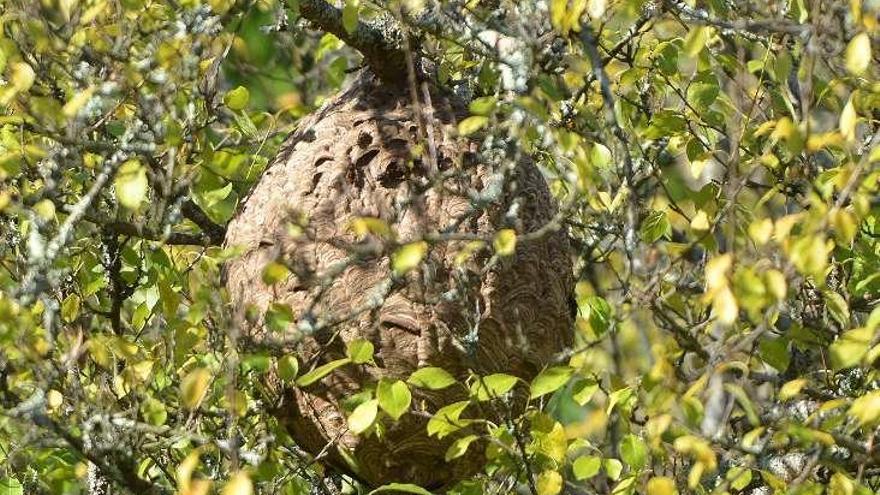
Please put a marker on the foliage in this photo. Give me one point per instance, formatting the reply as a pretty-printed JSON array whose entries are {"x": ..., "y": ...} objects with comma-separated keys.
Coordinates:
[{"x": 716, "y": 166}]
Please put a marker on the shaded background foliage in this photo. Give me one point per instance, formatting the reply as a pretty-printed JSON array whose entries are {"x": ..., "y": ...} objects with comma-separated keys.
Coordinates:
[{"x": 716, "y": 168}]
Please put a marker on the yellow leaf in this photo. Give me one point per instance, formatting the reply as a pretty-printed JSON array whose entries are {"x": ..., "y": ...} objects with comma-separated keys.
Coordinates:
[
  {"x": 776, "y": 284},
  {"x": 54, "y": 399},
  {"x": 696, "y": 167},
  {"x": 596, "y": 8},
  {"x": 408, "y": 256},
  {"x": 700, "y": 222},
  {"x": 866, "y": 409},
  {"x": 185, "y": 470},
  {"x": 549, "y": 483},
  {"x": 845, "y": 225},
  {"x": 505, "y": 242},
  {"x": 197, "y": 487},
  {"x": 761, "y": 231},
  {"x": 193, "y": 387},
  {"x": 239, "y": 484},
  {"x": 792, "y": 388},
  {"x": 274, "y": 272},
  {"x": 661, "y": 485},
  {"x": 848, "y": 119},
  {"x": 716, "y": 271},
  {"x": 725, "y": 307},
  {"x": 22, "y": 77},
  {"x": 858, "y": 54},
  {"x": 472, "y": 124},
  {"x": 72, "y": 107},
  {"x": 131, "y": 184}
]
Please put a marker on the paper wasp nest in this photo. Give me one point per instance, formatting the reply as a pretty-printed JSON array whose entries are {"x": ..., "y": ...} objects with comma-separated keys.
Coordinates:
[{"x": 354, "y": 159}]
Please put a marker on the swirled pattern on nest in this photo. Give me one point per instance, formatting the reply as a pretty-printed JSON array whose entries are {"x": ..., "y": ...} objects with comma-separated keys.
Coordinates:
[{"x": 353, "y": 158}]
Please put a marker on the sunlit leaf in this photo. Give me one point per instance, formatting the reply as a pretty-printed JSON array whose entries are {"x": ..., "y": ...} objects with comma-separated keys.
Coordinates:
[
  {"x": 394, "y": 397},
  {"x": 194, "y": 386},
  {"x": 431, "y": 378},
  {"x": 363, "y": 416},
  {"x": 858, "y": 54}
]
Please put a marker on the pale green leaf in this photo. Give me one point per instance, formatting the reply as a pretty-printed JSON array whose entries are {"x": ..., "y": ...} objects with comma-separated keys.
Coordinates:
[
  {"x": 363, "y": 416},
  {"x": 550, "y": 380},
  {"x": 237, "y": 99},
  {"x": 360, "y": 351},
  {"x": 472, "y": 124},
  {"x": 394, "y": 397},
  {"x": 320, "y": 372},
  {"x": 432, "y": 378}
]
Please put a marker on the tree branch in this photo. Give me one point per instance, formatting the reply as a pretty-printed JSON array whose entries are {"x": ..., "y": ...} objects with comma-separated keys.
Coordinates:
[
  {"x": 379, "y": 45},
  {"x": 215, "y": 233}
]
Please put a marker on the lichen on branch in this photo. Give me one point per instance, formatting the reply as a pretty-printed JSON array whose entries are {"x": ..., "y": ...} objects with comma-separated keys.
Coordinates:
[{"x": 380, "y": 45}]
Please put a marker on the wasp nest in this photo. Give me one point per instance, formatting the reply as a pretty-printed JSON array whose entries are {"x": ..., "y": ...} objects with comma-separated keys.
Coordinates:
[{"x": 364, "y": 155}]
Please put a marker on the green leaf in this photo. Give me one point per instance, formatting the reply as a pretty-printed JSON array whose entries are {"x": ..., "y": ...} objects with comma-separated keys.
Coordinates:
[
  {"x": 583, "y": 390},
  {"x": 408, "y": 257},
  {"x": 505, "y": 242},
  {"x": 619, "y": 397},
  {"x": 394, "y": 398},
  {"x": 585, "y": 467},
  {"x": 256, "y": 362},
  {"x": 70, "y": 308},
  {"x": 696, "y": 40},
  {"x": 320, "y": 372},
  {"x": 11, "y": 486},
  {"x": 279, "y": 316},
  {"x": 613, "y": 468},
  {"x": 446, "y": 419},
  {"x": 360, "y": 351},
  {"x": 849, "y": 349},
  {"x": 153, "y": 411},
  {"x": 401, "y": 487},
  {"x": 775, "y": 352},
  {"x": 131, "y": 184},
  {"x": 472, "y": 124},
  {"x": 837, "y": 307},
  {"x": 492, "y": 386},
  {"x": 363, "y": 416},
  {"x": 483, "y": 106},
  {"x": 600, "y": 155},
  {"x": 550, "y": 380},
  {"x": 858, "y": 54},
  {"x": 655, "y": 226},
  {"x": 350, "y": 15},
  {"x": 237, "y": 99},
  {"x": 599, "y": 315},
  {"x": 459, "y": 447},
  {"x": 274, "y": 272},
  {"x": 633, "y": 451},
  {"x": 432, "y": 378},
  {"x": 288, "y": 368}
]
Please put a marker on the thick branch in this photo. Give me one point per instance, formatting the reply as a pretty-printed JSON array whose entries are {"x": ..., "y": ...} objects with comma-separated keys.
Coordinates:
[
  {"x": 379, "y": 46},
  {"x": 215, "y": 233}
]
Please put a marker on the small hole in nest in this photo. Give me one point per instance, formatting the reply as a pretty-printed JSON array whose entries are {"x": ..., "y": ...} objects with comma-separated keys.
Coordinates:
[
  {"x": 364, "y": 139},
  {"x": 393, "y": 175}
]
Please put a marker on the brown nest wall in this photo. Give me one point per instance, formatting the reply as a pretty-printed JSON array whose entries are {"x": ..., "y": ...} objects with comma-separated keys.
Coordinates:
[{"x": 354, "y": 158}]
